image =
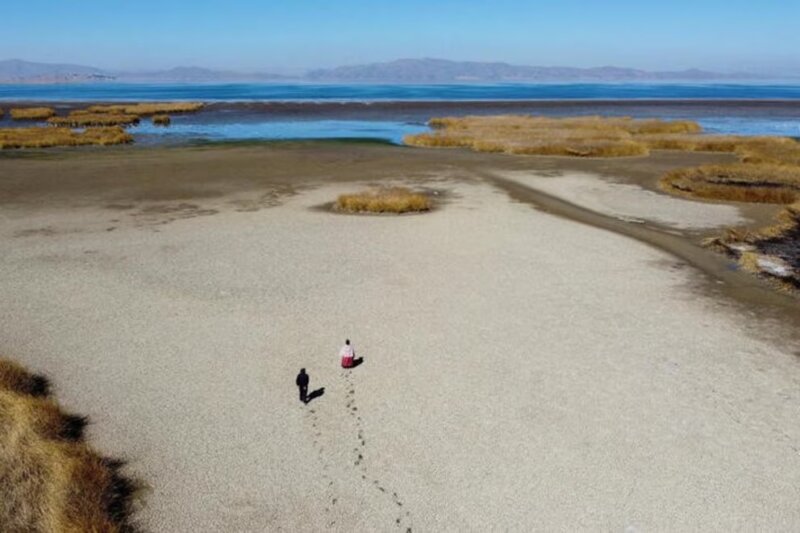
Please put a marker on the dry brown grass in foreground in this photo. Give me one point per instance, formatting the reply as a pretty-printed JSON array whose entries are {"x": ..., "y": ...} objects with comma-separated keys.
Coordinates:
[
  {"x": 385, "y": 200},
  {"x": 32, "y": 113},
  {"x": 84, "y": 119},
  {"x": 45, "y": 137},
  {"x": 50, "y": 479},
  {"x": 148, "y": 109}
]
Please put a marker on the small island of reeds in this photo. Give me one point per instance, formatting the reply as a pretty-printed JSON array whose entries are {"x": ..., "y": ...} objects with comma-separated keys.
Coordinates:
[
  {"x": 83, "y": 119},
  {"x": 395, "y": 200},
  {"x": 46, "y": 137},
  {"x": 32, "y": 113},
  {"x": 161, "y": 120},
  {"x": 148, "y": 109},
  {"x": 96, "y": 125}
]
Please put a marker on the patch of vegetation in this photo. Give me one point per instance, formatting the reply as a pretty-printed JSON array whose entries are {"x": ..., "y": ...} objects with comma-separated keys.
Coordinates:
[
  {"x": 738, "y": 182},
  {"x": 768, "y": 170},
  {"x": 385, "y": 200},
  {"x": 161, "y": 120},
  {"x": 84, "y": 119},
  {"x": 148, "y": 109},
  {"x": 45, "y": 137},
  {"x": 32, "y": 113},
  {"x": 573, "y": 137},
  {"x": 50, "y": 479}
]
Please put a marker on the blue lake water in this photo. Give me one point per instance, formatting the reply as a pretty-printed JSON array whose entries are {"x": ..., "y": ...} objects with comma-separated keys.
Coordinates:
[
  {"x": 244, "y": 111},
  {"x": 383, "y": 130},
  {"x": 370, "y": 92}
]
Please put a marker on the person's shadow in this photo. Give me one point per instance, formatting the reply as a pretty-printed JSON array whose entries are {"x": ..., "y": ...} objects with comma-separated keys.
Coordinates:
[
  {"x": 357, "y": 362},
  {"x": 313, "y": 395}
]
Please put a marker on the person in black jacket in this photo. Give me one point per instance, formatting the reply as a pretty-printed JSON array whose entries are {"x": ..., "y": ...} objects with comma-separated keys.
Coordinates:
[{"x": 302, "y": 384}]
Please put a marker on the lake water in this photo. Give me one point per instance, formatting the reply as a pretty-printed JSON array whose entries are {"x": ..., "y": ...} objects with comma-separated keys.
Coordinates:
[{"x": 245, "y": 111}]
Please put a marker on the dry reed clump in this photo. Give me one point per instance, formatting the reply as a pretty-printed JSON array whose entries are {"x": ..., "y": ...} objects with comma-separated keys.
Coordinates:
[
  {"x": 32, "y": 113},
  {"x": 768, "y": 171},
  {"x": 781, "y": 151},
  {"x": 384, "y": 200},
  {"x": 737, "y": 182},
  {"x": 43, "y": 137},
  {"x": 161, "y": 120},
  {"x": 572, "y": 136},
  {"x": 148, "y": 109},
  {"x": 84, "y": 119},
  {"x": 50, "y": 479}
]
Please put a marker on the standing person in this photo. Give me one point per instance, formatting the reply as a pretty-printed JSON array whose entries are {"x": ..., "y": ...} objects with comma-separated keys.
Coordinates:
[
  {"x": 302, "y": 384},
  {"x": 347, "y": 354}
]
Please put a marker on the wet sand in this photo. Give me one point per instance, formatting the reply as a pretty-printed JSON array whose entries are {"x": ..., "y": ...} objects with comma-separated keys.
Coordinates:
[{"x": 527, "y": 364}]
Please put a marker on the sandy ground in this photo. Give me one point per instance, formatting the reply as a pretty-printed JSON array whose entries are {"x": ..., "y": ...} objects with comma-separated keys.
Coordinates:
[
  {"x": 521, "y": 371},
  {"x": 632, "y": 203}
]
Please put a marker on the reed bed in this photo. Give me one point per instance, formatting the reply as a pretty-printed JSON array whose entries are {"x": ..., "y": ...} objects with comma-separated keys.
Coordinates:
[
  {"x": 45, "y": 137},
  {"x": 385, "y": 200},
  {"x": 85, "y": 119},
  {"x": 161, "y": 120},
  {"x": 32, "y": 113},
  {"x": 572, "y": 137},
  {"x": 50, "y": 478},
  {"x": 768, "y": 171},
  {"x": 738, "y": 182},
  {"x": 149, "y": 109}
]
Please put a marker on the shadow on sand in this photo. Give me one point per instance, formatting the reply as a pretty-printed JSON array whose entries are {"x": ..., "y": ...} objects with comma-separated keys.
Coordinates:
[{"x": 315, "y": 394}]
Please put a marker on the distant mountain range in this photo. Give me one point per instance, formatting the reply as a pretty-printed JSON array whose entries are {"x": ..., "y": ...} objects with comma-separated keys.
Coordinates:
[
  {"x": 444, "y": 71},
  {"x": 399, "y": 71},
  {"x": 18, "y": 71}
]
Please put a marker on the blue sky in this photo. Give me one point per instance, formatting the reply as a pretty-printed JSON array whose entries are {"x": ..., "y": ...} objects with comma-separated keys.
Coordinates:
[{"x": 292, "y": 35}]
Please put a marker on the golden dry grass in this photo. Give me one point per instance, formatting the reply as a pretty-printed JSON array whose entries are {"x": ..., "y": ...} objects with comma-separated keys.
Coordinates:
[
  {"x": 148, "y": 109},
  {"x": 737, "y": 182},
  {"x": 84, "y": 119},
  {"x": 384, "y": 200},
  {"x": 45, "y": 137},
  {"x": 32, "y": 113},
  {"x": 769, "y": 170},
  {"x": 161, "y": 120},
  {"x": 572, "y": 137},
  {"x": 50, "y": 479}
]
